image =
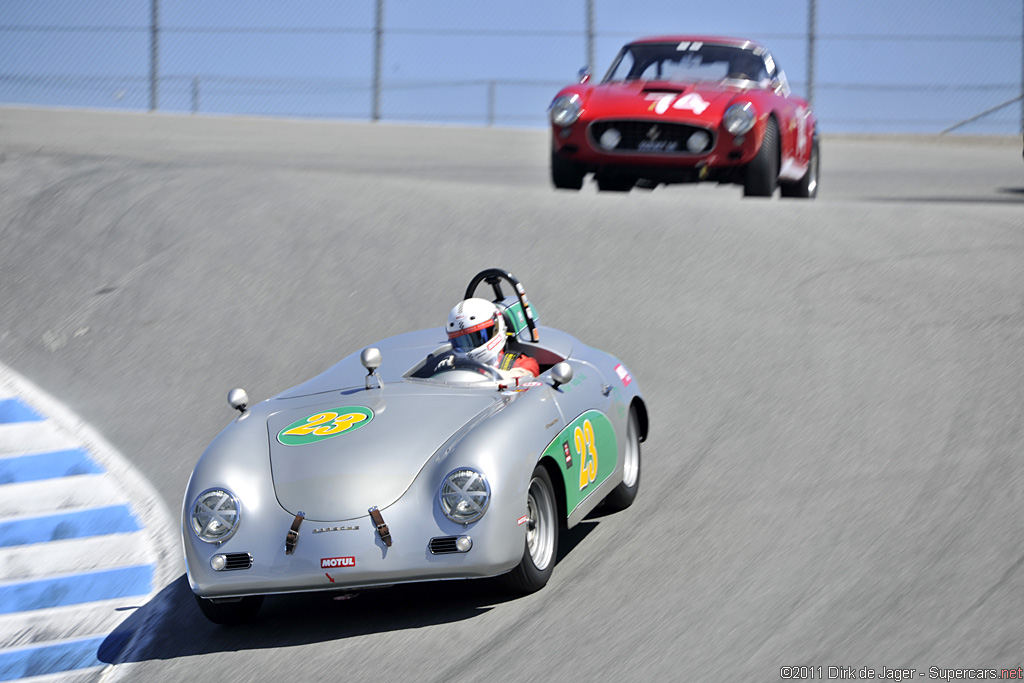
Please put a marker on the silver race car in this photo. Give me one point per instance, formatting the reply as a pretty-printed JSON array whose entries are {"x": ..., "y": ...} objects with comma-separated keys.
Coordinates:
[{"x": 407, "y": 462}]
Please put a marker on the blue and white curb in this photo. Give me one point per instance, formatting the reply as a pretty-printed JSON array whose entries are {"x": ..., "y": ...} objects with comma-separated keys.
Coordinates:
[{"x": 84, "y": 539}]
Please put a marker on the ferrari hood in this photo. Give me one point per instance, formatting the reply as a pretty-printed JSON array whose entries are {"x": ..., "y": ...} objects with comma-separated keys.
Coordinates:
[
  {"x": 334, "y": 459},
  {"x": 705, "y": 102}
]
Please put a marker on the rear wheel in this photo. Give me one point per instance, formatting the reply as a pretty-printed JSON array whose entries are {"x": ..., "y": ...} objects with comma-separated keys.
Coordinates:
[
  {"x": 565, "y": 174},
  {"x": 622, "y": 496},
  {"x": 806, "y": 187},
  {"x": 534, "y": 569},
  {"x": 762, "y": 173},
  {"x": 230, "y": 612}
]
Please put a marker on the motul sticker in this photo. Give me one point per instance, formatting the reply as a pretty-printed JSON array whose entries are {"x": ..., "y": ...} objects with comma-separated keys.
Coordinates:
[
  {"x": 334, "y": 562},
  {"x": 522, "y": 520},
  {"x": 623, "y": 374}
]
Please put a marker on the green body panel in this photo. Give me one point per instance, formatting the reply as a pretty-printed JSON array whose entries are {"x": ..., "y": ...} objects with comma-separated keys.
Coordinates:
[{"x": 574, "y": 449}]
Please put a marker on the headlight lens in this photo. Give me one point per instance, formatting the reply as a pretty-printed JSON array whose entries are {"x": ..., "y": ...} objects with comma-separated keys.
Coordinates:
[
  {"x": 739, "y": 118},
  {"x": 565, "y": 110},
  {"x": 464, "y": 496},
  {"x": 215, "y": 515}
]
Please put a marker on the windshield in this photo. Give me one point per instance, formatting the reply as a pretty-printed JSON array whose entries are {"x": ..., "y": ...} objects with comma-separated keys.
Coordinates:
[{"x": 689, "y": 61}]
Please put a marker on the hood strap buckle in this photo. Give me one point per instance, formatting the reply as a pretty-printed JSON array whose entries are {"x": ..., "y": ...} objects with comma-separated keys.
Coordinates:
[
  {"x": 292, "y": 539},
  {"x": 382, "y": 528}
]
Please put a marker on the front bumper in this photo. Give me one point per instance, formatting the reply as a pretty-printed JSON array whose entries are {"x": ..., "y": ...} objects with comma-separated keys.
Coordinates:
[
  {"x": 340, "y": 556},
  {"x": 668, "y": 161}
]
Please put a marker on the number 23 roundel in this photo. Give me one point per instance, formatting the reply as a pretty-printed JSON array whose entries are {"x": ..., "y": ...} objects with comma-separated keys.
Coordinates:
[
  {"x": 586, "y": 452},
  {"x": 324, "y": 425}
]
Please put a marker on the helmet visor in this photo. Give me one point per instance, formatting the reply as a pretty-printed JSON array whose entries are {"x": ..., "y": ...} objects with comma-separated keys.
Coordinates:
[{"x": 473, "y": 337}]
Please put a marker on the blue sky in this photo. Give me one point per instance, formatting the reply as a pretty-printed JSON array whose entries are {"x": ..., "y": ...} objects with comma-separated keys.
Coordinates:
[{"x": 911, "y": 66}]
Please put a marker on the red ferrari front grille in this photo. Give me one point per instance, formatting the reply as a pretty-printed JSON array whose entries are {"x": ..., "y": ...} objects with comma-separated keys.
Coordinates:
[{"x": 647, "y": 137}]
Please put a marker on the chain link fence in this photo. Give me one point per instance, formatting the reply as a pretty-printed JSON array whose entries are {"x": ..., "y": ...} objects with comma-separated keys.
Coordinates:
[{"x": 913, "y": 66}]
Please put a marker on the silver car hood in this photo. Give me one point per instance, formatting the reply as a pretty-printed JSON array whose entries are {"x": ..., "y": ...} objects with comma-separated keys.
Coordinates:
[{"x": 373, "y": 462}]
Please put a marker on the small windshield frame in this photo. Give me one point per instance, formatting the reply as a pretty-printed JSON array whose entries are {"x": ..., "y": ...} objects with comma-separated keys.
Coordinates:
[{"x": 691, "y": 61}]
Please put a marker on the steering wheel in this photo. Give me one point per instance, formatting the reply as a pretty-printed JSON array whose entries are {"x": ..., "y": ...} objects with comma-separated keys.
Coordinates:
[
  {"x": 493, "y": 277},
  {"x": 488, "y": 372}
]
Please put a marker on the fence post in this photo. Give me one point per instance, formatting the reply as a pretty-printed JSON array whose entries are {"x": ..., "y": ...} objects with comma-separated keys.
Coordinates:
[
  {"x": 154, "y": 55},
  {"x": 811, "y": 39},
  {"x": 492, "y": 99},
  {"x": 195, "y": 94},
  {"x": 590, "y": 35},
  {"x": 377, "y": 51}
]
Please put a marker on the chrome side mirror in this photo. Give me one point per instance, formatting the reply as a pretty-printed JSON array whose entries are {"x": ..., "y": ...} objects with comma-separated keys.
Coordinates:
[
  {"x": 561, "y": 373},
  {"x": 238, "y": 399},
  {"x": 371, "y": 360},
  {"x": 584, "y": 74}
]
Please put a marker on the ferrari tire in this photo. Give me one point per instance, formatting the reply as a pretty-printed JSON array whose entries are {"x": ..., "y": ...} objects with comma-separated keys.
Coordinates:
[
  {"x": 762, "y": 173},
  {"x": 541, "y": 547},
  {"x": 615, "y": 184},
  {"x": 565, "y": 174},
  {"x": 806, "y": 187},
  {"x": 622, "y": 496},
  {"x": 230, "y": 613}
]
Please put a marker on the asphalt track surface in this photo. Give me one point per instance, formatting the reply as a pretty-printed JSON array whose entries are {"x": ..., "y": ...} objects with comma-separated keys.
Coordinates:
[{"x": 833, "y": 475}]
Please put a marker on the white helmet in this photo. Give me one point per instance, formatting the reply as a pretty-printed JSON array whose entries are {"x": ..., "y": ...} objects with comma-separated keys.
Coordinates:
[{"x": 476, "y": 330}]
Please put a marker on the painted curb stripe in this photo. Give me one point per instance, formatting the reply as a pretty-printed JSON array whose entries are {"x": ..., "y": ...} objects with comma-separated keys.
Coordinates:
[
  {"x": 49, "y": 659},
  {"x": 115, "y": 519},
  {"x": 77, "y": 588},
  {"x": 16, "y": 410},
  {"x": 47, "y": 466}
]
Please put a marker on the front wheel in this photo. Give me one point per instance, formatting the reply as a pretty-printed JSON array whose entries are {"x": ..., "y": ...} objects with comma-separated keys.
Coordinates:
[
  {"x": 534, "y": 569},
  {"x": 622, "y": 496},
  {"x": 565, "y": 174},
  {"x": 762, "y": 173},
  {"x": 230, "y": 613}
]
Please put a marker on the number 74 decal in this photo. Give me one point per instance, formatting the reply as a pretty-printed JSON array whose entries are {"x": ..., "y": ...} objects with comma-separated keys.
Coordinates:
[{"x": 660, "y": 102}]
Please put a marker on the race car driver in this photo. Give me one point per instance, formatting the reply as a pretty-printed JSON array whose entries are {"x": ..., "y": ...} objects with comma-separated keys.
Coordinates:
[{"x": 476, "y": 330}]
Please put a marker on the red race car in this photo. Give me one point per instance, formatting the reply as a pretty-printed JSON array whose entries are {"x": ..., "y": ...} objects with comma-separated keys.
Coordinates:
[{"x": 677, "y": 109}]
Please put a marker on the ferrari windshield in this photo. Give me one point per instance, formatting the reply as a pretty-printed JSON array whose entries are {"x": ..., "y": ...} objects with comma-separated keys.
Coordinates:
[{"x": 690, "y": 61}]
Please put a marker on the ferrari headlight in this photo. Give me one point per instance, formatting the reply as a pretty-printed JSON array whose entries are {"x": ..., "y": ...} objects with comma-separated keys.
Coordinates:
[
  {"x": 214, "y": 515},
  {"x": 464, "y": 496},
  {"x": 739, "y": 118},
  {"x": 565, "y": 110}
]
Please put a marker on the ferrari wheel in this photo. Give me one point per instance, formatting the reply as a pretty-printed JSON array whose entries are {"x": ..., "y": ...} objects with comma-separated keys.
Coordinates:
[
  {"x": 806, "y": 187},
  {"x": 565, "y": 175},
  {"x": 762, "y": 173},
  {"x": 534, "y": 570},
  {"x": 230, "y": 613},
  {"x": 622, "y": 495}
]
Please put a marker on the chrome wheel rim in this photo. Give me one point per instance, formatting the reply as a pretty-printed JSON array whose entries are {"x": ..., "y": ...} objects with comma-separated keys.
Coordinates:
[
  {"x": 540, "y": 533},
  {"x": 631, "y": 460}
]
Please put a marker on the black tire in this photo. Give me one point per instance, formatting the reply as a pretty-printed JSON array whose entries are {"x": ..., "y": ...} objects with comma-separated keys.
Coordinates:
[
  {"x": 541, "y": 547},
  {"x": 230, "y": 613},
  {"x": 565, "y": 174},
  {"x": 762, "y": 173},
  {"x": 615, "y": 184},
  {"x": 806, "y": 187},
  {"x": 622, "y": 496}
]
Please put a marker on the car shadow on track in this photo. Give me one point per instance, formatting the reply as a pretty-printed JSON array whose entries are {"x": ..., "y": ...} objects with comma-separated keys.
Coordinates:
[{"x": 171, "y": 626}]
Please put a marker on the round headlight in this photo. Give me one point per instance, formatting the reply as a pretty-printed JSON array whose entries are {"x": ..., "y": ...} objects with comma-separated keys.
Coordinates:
[
  {"x": 214, "y": 515},
  {"x": 739, "y": 118},
  {"x": 565, "y": 110},
  {"x": 464, "y": 496}
]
